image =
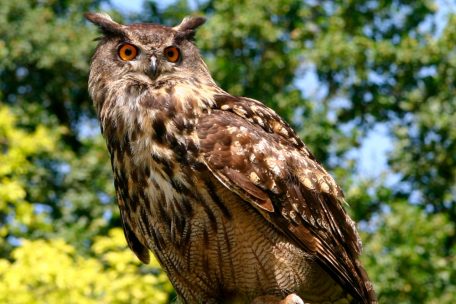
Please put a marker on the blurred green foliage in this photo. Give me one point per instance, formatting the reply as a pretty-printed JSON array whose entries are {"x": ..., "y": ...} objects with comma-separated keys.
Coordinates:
[
  {"x": 389, "y": 63},
  {"x": 54, "y": 272}
]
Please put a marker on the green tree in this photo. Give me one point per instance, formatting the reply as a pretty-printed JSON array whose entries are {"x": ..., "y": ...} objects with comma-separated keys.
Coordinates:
[{"x": 54, "y": 272}]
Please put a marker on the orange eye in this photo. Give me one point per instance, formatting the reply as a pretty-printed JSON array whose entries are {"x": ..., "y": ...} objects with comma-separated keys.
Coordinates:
[
  {"x": 128, "y": 52},
  {"x": 172, "y": 53}
]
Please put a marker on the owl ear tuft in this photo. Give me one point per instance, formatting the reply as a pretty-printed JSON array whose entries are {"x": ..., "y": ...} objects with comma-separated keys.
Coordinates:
[
  {"x": 105, "y": 23},
  {"x": 187, "y": 28},
  {"x": 190, "y": 23}
]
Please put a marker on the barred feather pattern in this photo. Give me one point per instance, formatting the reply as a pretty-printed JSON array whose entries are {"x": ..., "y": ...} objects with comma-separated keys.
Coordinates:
[{"x": 229, "y": 199}]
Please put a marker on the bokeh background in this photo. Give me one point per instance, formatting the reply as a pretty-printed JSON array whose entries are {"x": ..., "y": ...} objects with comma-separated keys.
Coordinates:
[{"x": 369, "y": 86}]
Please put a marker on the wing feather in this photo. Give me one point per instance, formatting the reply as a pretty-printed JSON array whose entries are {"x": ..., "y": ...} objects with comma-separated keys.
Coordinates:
[
  {"x": 141, "y": 251},
  {"x": 254, "y": 153}
]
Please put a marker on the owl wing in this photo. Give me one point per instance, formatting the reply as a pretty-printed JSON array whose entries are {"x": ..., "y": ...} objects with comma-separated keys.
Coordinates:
[
  {"x": 130, "y": 229},
  {"x": 254, "y": 153},
  {"x": 136, "y": 245}
]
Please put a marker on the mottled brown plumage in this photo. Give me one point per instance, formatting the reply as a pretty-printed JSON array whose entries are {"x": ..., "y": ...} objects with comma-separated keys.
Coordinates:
[{"x": 220, "y": 188}]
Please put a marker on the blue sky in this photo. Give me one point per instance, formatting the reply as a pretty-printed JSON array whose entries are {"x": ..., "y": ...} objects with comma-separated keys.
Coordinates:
[{"x": 133, "y": 5}]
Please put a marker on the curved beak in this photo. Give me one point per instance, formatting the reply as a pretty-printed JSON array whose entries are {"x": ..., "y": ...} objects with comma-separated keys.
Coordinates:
[{"x": 153, "y": 68}]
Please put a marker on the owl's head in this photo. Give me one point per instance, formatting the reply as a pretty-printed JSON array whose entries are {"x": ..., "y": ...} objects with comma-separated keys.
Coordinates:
[{"x": 146, "y": 51}]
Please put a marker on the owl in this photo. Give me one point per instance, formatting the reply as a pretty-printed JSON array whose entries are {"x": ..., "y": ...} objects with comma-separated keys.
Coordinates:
[{"x": 224, "y": 193}]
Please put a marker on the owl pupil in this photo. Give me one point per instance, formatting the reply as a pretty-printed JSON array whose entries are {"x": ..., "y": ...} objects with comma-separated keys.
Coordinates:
[
  {"x": 170, "y": 53},
  {"x": 128, "y": 52}
]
